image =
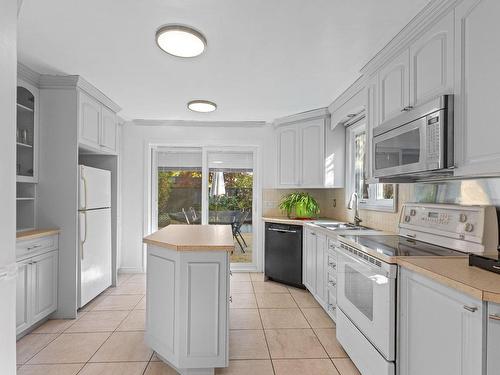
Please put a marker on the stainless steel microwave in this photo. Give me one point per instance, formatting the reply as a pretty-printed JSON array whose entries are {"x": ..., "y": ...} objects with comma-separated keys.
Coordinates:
[{"x": 416, "y": 144}]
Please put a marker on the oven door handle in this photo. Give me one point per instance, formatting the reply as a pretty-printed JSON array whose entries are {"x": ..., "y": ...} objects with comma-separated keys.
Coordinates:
[{"x": 362, "y": 262}]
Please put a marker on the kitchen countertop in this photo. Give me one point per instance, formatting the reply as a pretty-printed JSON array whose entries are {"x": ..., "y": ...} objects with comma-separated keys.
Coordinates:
[
  {"x": 36, "y": 233},
  {"x": 285, "y": 220},
  {"x": 456, "y": 273},
  {"x": 193, "y": 238}
]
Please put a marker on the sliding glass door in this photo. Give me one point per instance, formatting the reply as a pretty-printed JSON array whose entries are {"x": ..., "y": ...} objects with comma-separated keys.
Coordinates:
[
  {"x": 230, "y": 198},
  {"x": 217, "y": 186}
]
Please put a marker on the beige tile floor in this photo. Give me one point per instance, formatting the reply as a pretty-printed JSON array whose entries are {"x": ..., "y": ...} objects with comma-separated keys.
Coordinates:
[{"x": 275, "y": 330}]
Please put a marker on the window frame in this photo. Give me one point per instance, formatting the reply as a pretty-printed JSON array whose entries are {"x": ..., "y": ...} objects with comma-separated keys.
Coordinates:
[{"x": 371, "y": 203}]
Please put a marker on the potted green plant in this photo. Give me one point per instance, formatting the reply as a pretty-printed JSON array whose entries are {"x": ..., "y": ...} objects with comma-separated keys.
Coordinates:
[{"x": 304, "y": 206}]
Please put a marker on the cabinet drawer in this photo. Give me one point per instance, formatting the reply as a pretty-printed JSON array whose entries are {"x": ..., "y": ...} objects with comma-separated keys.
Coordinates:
[
  {"x": 331, "y": 306},
  {"x": 332, "y": 281},
  {"x": 331, "y": 262},
  {"x": 36, "y": 246}
]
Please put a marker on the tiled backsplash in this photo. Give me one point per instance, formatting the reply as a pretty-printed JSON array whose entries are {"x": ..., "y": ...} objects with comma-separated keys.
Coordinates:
[{"x": 484, "y": 191}]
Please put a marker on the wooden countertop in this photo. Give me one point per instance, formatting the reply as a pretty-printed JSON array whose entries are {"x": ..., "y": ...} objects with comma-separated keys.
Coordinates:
[
  {"x": 36, "y": 233},
  {"x": 193, "y": 238},
  {"x": 456, "y": 273}
]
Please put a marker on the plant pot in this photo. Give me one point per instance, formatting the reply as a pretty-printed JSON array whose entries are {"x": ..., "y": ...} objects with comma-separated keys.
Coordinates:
[{"x": 302, "y": 213}]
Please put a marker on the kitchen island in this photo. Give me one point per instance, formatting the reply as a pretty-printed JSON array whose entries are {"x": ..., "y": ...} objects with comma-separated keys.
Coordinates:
[{"x": 187, "y": 308}]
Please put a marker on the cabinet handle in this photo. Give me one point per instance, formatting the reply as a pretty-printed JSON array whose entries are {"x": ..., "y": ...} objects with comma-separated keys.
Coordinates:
[
  {"x": 494, "y": 316},
  {"x": 313, "y": 234},
  {"x": 231, "y": 299},
  {"x": 470, "y": 308},
  {"x": 230, "y": 273},
  {"x": 333, "y": 265},
  {"x": 331, "y": 307},
  {"x": 407, "y": 108},
  {"x": 34, "y": 247},
  {"x": 331, "y": 283}
]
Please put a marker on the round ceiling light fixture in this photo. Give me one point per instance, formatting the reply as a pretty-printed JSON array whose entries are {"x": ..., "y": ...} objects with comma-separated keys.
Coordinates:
[
  {"x": 203, "y": 106},
  {"x": 181, "y": 41}
]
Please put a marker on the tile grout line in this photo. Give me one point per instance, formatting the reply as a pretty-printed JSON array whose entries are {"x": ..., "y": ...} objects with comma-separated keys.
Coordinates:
[{"x": 263, "y": 330}]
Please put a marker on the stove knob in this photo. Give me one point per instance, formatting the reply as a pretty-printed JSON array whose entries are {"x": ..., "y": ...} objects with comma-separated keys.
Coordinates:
[
  {"x": 407, "y": 218},
  {"x": 463, "y": 218},
  {"x": 469, "y": 227},
  {"x": 413, "y": 212}
]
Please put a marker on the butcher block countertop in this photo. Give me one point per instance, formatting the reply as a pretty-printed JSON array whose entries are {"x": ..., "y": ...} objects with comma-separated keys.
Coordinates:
[
  {"x": 193, "y": 238},
  {"x": 36, "y": 233},
  {"x": 456, "y": 273}
]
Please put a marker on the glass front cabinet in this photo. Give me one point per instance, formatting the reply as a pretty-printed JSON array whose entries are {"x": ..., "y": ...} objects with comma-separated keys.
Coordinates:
[{"x": 27, "y": 132}]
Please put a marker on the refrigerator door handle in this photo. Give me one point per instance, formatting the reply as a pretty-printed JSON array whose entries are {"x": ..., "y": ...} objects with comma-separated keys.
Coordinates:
[
  {"x": 84, "y": 237},
  {"x": 84, "y": 192}
]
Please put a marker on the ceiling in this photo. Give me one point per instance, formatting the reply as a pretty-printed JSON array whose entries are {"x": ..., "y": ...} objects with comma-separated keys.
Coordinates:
[{"x": 265, "y": 58}]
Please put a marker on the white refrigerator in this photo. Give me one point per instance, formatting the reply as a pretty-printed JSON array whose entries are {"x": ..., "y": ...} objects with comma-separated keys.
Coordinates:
[{"x": 95, "y": 233}]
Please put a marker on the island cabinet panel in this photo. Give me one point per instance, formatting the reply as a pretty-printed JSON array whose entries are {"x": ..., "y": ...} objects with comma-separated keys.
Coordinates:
[
  {"x": 493, "y": 335},
  {"x": 441, "y": 329},
  {"x": 161, "y": 304},
  {"x": 188, "y": 308}
]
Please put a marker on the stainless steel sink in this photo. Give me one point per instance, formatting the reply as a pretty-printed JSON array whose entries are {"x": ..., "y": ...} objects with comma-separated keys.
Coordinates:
[{"x": 339, "y": 226}]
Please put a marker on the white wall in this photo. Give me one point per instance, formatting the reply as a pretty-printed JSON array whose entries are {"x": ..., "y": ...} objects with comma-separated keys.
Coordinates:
[
  {"x": 135, "y": 139},
  {"x": 8, "y": 73}
]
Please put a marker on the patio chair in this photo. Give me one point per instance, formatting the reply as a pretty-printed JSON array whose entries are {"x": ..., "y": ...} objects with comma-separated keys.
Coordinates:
[{"x": 236, "y": 227}]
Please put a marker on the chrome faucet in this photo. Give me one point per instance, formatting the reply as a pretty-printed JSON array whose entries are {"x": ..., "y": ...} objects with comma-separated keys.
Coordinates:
[{"x": 354, "y": 201}]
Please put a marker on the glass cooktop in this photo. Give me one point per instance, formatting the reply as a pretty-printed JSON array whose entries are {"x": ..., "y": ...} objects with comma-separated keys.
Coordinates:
[{"x": 393, "y": 245}]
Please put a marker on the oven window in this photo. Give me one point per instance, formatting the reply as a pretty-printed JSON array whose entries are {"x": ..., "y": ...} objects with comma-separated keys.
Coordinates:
[
  {"x": 399, "y": 150},
  {"x": 359, "y": 291}
]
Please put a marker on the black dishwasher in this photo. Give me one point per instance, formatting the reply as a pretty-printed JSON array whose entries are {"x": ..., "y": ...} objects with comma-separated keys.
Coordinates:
[{"x": 283, "y": 253}]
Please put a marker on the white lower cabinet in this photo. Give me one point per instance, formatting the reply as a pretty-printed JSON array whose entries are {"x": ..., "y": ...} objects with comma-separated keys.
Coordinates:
[
  {"x": 440, "y": 329},
  {"x": 319, "y": 267},
  {"x": 493, "y": 341},
  {"x": 36, "y": 289}
]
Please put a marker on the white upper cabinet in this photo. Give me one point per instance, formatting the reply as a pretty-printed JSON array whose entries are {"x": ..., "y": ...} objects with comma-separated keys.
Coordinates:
[
  {"x": 431, "y": 62},
  {"x": 288, "y": 157},
  {"x": 90, "y": 121},
  {"x": 312, "y": 153},
  {"x": 301, "y": 152},
  {"x": 478, "y": 88},
  {"x": 27, "y": 129},
  {"x": 108, "y": 130},
  {"x": 97, "y": 125},
  {"x": 394, "y": 79}
]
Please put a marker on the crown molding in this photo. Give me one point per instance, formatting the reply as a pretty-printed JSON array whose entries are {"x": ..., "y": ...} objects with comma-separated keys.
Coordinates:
[
  {"x": 348, "y": 94},
  {"x": 308, "y": 115},
  {"x": 72, "y": 82},
  {"x": 433, "y": 11},
  {"x": 187, "y": 123},
  {"x": 28, "y": 74}
]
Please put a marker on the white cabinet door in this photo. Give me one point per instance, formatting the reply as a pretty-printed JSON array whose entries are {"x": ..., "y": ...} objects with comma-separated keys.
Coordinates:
[
  {"x": 321, "y": 261},
  {"x": 312, "y": 153},
  {"x": 309, "y": 261},
  {"x": 394, "y": 79},
  {"x": 108, "y": 130},
  {"x": 23, "y": 296},
  {"x": 440, "y": 328},
  {"x": 478, "y": 87},
  {"x": 90, "y": 121},
  {"x": 431, "y": 62},
  {"x": 288, "y": 156},
  {"x": 44, "y": 285},
  {"x": 493, "y": 352},
  {"x": 372, "y": 121}
]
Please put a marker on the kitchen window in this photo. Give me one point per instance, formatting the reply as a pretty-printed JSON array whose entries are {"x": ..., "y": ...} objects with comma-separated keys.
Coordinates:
[{"x": 372, "y": 196}]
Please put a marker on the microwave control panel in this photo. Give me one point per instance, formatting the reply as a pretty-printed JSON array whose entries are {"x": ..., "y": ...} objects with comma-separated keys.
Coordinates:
[{"x": 434, "y": 138}]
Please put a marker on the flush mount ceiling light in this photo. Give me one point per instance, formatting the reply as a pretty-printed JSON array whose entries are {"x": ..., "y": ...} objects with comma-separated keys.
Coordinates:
[
  {"x": 181, "y": 41},
  {"x": 203, "y": 106}
]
